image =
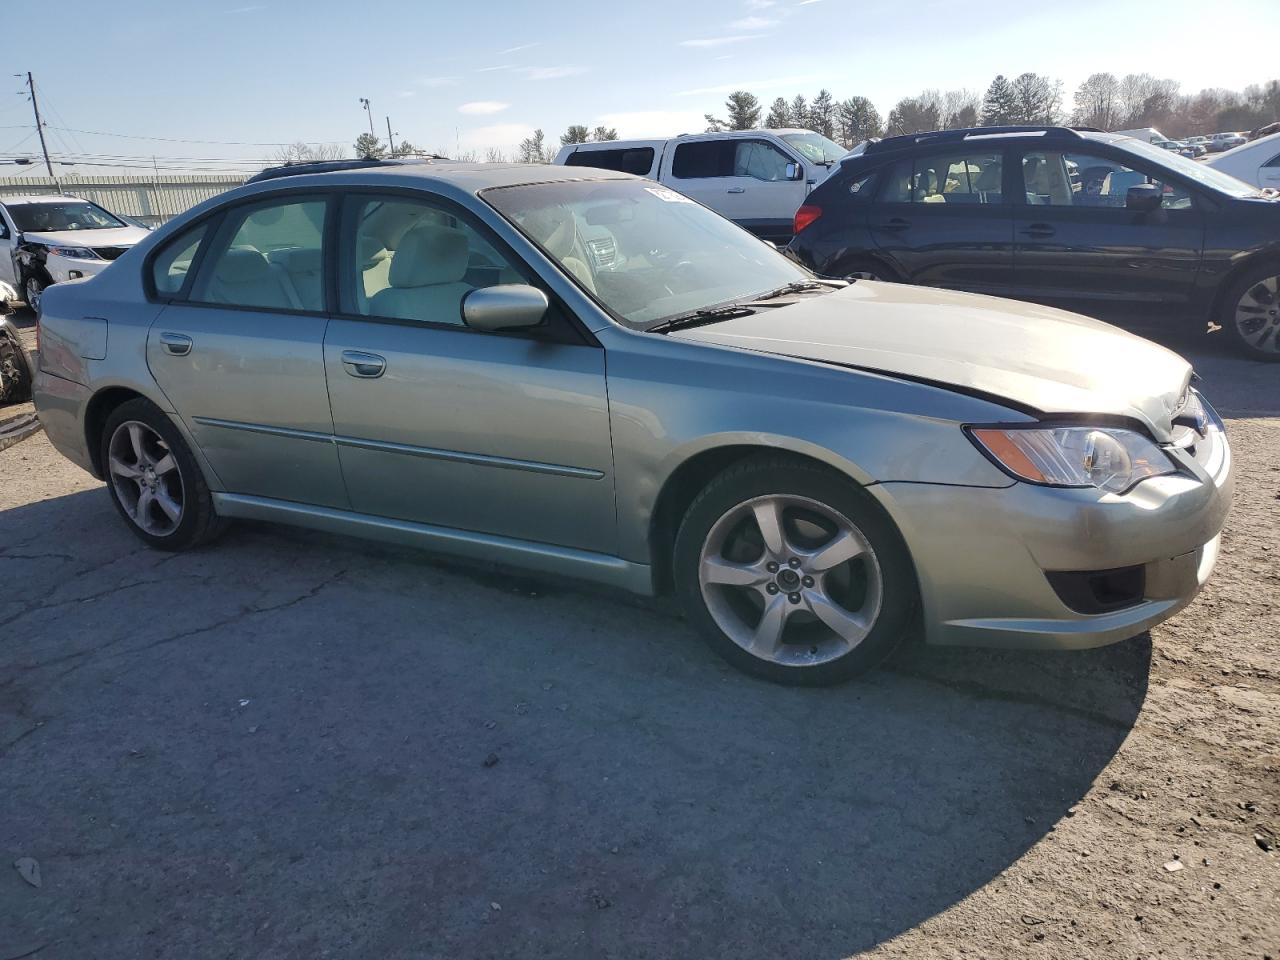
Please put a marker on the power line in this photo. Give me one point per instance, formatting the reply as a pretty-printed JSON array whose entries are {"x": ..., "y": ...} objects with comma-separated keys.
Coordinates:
[{"x": 222, "y": 143}]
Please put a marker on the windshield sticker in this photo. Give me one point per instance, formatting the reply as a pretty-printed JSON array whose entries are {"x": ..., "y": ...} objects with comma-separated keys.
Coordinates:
[{"x": 662, "y": 193}]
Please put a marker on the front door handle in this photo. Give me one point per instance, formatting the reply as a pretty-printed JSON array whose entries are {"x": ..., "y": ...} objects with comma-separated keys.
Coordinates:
[
  {"x": 737, "y": 190},
  {"x": 366, "y": 366},
  {"x": 175, "y": 344},
  {"x": 1039, "y": 230}
]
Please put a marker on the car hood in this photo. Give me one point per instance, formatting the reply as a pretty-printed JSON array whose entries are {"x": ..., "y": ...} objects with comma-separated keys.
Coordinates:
[
  {"x": 1035, "y": 357},
  {"x": 113, "y": 237}
]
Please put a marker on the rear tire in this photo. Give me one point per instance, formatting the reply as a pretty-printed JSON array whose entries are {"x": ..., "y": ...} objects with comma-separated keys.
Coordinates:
[
  {"x": 868, "y": 268},
  {"x": 792, "y": 573},
  {"x": 154, "y": 480},
  {"x": 1250, "y": 312}
]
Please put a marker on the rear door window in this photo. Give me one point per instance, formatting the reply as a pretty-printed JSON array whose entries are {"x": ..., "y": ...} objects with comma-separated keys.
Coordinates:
[
  {"x": 636, "y": 160},
  {"x": 268, "y": 256},
  {"x": 959, "y": 177},
  {"x": 704, "y": 158}
]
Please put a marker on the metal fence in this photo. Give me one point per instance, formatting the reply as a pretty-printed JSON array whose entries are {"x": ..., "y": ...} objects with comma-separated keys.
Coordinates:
[{"x": 152, "y": 200}]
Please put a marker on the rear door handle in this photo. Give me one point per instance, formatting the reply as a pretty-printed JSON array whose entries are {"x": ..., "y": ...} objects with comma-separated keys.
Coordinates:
[
  {"x": 737, "y": 190},
  {"x": 366, "y": 366},
  {"x": 176, "y": 344},
  {"x": 895, "y": 223},
  {"x": 1039, "y": 230}
]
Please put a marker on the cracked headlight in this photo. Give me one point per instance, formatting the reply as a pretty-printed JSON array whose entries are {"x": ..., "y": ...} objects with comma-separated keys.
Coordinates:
[{"x": 1109, "y": 458}]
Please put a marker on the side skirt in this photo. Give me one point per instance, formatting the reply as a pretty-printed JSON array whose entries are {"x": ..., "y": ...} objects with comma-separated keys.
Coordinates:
[{"x": 540, "y": 557}]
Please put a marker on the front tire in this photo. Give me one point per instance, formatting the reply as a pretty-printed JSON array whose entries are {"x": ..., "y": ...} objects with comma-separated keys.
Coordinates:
[
  {"x": 1251, "y": 313},
  {"x": 793, "y": 574},
  {"x": 33, "y": 291},
  {"x": 153, "y": 479}
]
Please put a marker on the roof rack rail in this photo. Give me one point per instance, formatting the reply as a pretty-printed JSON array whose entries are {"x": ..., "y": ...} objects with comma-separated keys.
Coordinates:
[
  {"x": 965, "y": 133},
  {"x": 298, "y": 168}
]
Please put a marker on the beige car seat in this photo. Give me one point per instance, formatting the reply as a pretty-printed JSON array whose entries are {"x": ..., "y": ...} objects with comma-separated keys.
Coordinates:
[{"x": 426, "y": 276}]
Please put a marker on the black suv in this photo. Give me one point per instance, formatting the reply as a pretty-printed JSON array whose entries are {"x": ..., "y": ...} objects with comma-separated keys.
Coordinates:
[{"x": 1073, "y": 217}]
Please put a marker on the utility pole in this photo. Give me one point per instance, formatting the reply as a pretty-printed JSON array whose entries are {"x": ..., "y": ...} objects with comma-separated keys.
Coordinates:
[
  {"x": 31, "y": 85},
  {"x": 391, "y": 139},
  {"x": 364, "y": 101}
]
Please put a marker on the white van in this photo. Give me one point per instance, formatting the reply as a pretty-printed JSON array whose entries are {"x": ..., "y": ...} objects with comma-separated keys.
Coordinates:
[{"x": 757, "y": 178}]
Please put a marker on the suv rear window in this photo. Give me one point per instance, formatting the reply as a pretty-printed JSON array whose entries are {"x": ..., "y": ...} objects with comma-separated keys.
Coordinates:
[{"x": 637, "y": 160}]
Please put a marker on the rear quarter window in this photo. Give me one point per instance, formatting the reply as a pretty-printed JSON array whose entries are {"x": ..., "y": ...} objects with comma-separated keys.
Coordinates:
[{"x": 635, "y": 160}]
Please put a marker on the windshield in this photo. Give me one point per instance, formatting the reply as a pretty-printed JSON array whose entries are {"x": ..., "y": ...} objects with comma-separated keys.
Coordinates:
[
  {"x": 815, "y": 147},
  {"x": 50, "y": 217},
  {"x": 1202, "y": 174},
  {"x": 646, "y": 252}
]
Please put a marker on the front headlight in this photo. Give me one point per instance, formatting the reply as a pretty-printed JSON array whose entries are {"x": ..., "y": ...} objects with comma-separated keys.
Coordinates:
[
  {"x": 1109, "y": 458},
  {"x": 74, "y": 253}
]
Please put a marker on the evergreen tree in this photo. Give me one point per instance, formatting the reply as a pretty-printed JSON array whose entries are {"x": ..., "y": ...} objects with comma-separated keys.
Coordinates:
[
  {"x": 779, "y": 115},
  {"x": 576, "y": 133},
  {"x": 856, "y": 120},
  {"x": 999, "y": 106},
  {"x": 743, "y": 109},
  {"x": 601, "y": 134},
  {"x": 369, "y": 147},
  {"x": 799, "y": 114},
  {"x": 822, "y": 113}
]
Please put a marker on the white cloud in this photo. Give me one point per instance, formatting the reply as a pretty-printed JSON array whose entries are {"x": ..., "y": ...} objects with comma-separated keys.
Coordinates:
[
  {"x": 555, "y": 73},
  {"x": 805, "y": 3},
  {"x": 438, "y": 81},
  {"x": 653, "y": 123},
  {"x": 760, "y": 4},
  {"x": 719, "y": 41},
  {"x": 501, "y": 66},
  {"x": 770, "y": 84},
  {"x": 483, "y": 107},
  {"x": 523, "y": 46},
  {"x": 753, "y": 24}
]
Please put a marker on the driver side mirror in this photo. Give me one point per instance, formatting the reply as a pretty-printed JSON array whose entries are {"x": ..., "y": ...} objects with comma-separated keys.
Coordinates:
[
  {"x": 794, "y": 171},
  {"x": 1144, "y": 197},
  {"x": 507, "y": 306}
]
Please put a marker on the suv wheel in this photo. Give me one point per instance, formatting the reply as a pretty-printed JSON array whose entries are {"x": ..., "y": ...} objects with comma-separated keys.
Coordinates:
[
  {"x": 32, "y": 291},
  {"x": 1251, "y": 312},
  {"x": 792, "y": 574},
  {"x": 154, "y": 480}
]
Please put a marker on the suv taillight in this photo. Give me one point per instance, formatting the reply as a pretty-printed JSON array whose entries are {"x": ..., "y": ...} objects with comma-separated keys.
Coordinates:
[{"x": 805, "y": 216}]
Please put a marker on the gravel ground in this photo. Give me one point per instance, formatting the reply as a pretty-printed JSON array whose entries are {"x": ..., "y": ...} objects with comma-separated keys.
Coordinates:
[{"x": 292, "y": 745}]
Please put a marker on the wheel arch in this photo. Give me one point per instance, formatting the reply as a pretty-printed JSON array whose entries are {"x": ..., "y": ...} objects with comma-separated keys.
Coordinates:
[
  {"x": 96, "y": 412},
  {"x": 1268, "y": 256},
  {"x": 843, "y": 265},
  {"x": 698, "y": 469}
]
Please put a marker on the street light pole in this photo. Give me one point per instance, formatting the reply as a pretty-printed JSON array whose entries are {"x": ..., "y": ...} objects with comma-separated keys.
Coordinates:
[{"x": 367, "y": 109}]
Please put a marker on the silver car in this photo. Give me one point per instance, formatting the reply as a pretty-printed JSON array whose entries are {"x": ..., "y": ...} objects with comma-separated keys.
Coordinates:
[{"x": 588, "y": 374}]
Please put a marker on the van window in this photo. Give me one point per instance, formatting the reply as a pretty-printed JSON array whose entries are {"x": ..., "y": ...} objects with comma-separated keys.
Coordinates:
[
  {"x": 637, "y": 160},
  {"x": 758, "y": 159},
  {"x": 971, "y": 176}
]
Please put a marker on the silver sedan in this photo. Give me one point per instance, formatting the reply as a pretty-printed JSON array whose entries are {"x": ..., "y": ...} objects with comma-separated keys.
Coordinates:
[{"x": 587, "y": 374}]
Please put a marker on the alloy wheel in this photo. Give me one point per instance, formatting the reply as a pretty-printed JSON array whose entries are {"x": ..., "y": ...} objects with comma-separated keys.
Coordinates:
[
  {"x": 790, "y": 580},
  {"x": 146, "y": 478},
  {"x": 863, "y": 275},
  {"x": 1257, "y": 315},
  {"x": 33, "y": 290}
]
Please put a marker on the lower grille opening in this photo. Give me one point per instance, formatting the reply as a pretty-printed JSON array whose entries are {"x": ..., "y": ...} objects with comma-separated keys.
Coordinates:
[{"x": 1099, "y": 591}]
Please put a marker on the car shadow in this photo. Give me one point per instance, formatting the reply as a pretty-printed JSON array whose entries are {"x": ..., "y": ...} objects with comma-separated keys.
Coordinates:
[{"x": 291, "y": 741}]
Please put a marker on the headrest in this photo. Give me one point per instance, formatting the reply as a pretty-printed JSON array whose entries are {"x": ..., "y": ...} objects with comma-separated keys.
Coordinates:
[
  {"x": 298, "y": 260},
  {"x": 429, "y": 254},
  {"x": 241, "y": 265}
]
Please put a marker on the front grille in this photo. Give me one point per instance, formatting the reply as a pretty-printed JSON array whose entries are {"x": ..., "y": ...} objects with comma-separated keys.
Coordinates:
[{"x": 109, "y": 253}]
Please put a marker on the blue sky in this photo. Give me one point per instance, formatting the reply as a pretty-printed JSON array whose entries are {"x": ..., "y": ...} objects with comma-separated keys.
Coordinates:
[{"x": 462, "y": 76}]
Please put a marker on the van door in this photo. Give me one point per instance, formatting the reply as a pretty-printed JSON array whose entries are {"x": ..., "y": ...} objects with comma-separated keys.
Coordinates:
[{"x": 750, "y": 181}]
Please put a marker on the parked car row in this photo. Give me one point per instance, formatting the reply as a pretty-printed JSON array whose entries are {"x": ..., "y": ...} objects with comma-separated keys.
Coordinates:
[{"x": 587, "y": 373}]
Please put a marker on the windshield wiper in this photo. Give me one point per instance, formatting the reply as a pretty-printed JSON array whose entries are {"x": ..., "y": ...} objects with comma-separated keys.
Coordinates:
[
  {"x": 700, "y": 318},
  {"x": 796, "y": 286}
]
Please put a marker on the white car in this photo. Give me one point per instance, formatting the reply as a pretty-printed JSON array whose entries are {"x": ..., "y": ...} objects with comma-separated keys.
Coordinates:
[
  {"x": 1225, "y": 141},
  {"x": 756, "y": 178},
  {"x": 47, "y": 239},
  {"x": 1257, "y": 162}
]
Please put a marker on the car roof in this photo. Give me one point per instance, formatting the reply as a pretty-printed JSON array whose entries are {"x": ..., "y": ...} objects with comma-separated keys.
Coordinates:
[
  {"x": 41, "y": 198},
  {"x": 467, "y": 177}
]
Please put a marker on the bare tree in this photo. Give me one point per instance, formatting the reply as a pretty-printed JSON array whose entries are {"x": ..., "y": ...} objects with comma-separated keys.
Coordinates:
[
  {"x": 1097, "y": 102},
  {"x": 299, "y": 152},
  {"x": 959, "y": 109},
  {"x": 534, "y": 149},
  {"x": 496, "y": 155}
]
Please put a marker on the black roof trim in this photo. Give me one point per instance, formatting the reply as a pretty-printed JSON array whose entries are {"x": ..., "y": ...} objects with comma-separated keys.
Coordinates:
[
  {"x": 331, "y": 166},
  {"x": 889, "y": 144}
]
